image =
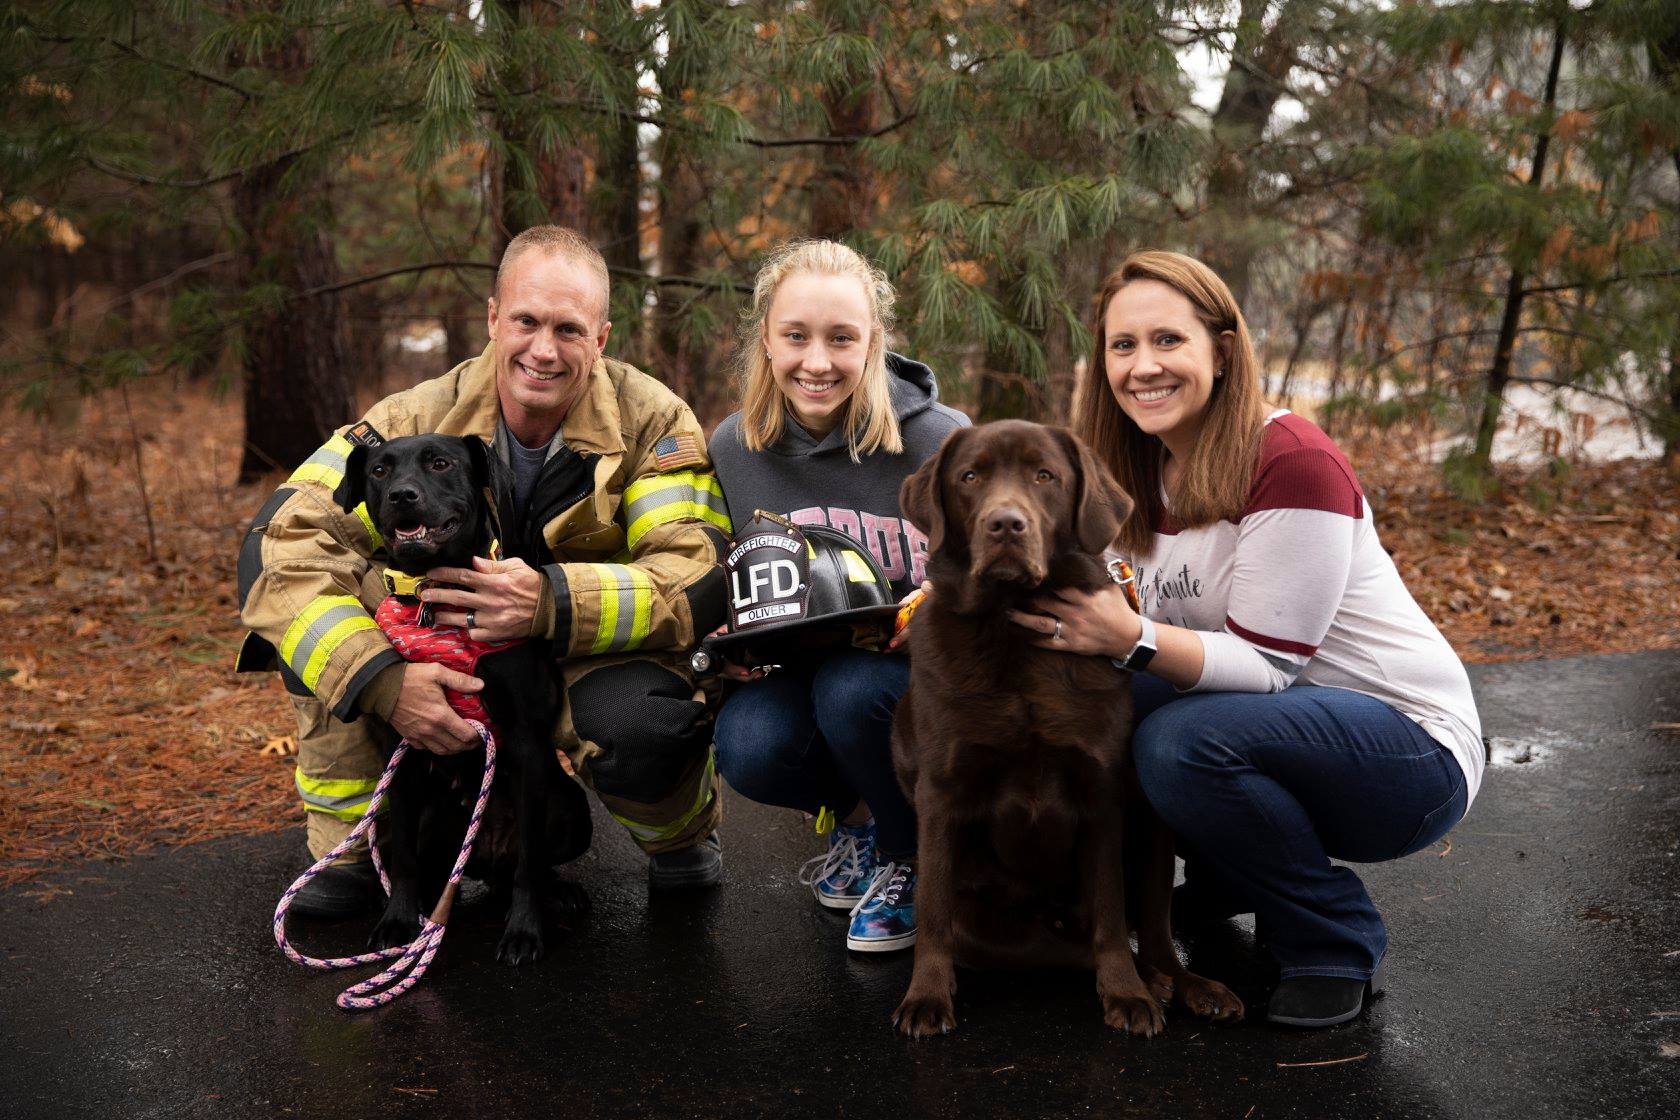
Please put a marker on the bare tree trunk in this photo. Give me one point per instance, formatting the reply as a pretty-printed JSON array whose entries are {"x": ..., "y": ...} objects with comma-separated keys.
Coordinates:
[
  {"x": 1499, "y": 373},
  {"x": 1665, "y": 65},
  {"x": 1261, "y": 59}
]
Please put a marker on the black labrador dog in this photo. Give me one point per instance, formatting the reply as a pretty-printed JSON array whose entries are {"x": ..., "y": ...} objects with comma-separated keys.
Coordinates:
[{"x": 432, "y": 498}]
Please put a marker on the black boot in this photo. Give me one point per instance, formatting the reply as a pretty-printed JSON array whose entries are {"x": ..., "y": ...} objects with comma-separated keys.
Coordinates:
[
  {"x": 698, "y": 865},
  {"x": 1321, "y": 1001},
  {"x": 340, "y": 890}
]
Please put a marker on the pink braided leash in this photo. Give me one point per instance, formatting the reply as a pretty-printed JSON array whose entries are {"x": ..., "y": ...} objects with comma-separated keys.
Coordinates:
[{"x": 413, "y": 958}]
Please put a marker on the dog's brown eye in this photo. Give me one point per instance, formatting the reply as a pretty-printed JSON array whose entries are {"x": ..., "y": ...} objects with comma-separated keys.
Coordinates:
[
  {"x": 967, "y": 476},
  {"x": 440, "y": 465},
  {"x": 380, "y": 471},
  {"x": 1045, "y": 476}
]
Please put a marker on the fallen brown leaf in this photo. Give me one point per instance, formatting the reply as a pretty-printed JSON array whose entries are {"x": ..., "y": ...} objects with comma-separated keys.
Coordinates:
[
  {"x": 280, "y": 746},
  {"x": 1669, "y": 1049}
]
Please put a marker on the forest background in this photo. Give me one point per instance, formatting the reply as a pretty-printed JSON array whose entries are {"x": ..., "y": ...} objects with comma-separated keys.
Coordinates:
[{"x": 227, "y": 227}]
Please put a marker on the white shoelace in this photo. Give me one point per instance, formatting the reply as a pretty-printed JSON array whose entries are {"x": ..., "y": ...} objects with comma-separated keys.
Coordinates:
[
  {"x": 883, "y": 879},
  {"x": 843, "y": 854}
]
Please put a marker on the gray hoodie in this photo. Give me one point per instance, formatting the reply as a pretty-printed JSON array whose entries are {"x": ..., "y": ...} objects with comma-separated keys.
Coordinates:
[{"x": 815, "y": 482}]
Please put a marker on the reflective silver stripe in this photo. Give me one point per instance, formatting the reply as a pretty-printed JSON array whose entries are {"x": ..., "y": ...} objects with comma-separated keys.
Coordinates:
[
  {"x": 333, "y": 804},
  {"x": 676, "y": 492},
  {"x": 304, "y": 648}
]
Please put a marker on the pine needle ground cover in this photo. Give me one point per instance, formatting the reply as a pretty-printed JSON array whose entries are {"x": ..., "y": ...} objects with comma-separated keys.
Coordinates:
[{"x": 122, "y": 725}]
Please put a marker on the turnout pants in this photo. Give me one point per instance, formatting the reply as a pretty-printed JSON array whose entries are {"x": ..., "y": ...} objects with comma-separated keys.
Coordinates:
[{"x": 636, "y": 729}]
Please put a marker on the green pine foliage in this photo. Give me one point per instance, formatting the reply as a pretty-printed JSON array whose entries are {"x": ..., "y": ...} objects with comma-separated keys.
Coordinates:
[{"x": 1358, "y": 170}]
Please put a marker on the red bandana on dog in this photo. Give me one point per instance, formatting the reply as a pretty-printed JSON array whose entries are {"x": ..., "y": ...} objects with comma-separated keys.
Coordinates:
[{"x": 407, "y": 623}]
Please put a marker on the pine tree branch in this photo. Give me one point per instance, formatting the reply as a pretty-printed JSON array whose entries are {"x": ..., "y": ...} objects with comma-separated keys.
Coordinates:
[
  {"x": 100, "y": 165},
  {"x": 750, "y": 141},
  {"x": 1619, "y": 278},
  {"x": 162, "y": 63},
  {"x": 719, "y": 285},
  {"x": 1588, "y": 390}
]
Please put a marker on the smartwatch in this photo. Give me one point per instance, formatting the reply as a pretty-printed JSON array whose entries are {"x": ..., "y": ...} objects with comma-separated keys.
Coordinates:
[{"x": 1143, "y": 652}]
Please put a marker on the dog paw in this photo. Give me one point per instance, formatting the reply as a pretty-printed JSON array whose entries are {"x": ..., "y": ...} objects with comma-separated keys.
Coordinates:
[
  {"x": 1160, "y": 984},
  {"x": 925, "y": 1016},
  {"x": 566, "y": 900},
  {"x": 1136, "y": 1014},
  {"x": 394, "y": 929},
  {"x": 1208, "y": 998},
  {"x": 522, "y": 941}
]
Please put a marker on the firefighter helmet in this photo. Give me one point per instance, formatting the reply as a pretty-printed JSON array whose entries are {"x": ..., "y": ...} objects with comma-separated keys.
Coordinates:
[{"x": 798, "y": 589}]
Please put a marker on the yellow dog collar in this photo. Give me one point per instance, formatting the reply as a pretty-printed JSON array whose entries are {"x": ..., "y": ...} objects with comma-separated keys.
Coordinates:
[{"x": 401, "y": 583}]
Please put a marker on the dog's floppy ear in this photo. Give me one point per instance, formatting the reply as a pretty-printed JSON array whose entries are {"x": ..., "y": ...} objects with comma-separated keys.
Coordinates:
[
  {"x": 478, "y": 459},
  {"x": 1101, "y": 505},
  {"x": 352, "y": 488},
  {"x": 922, "y": 497}
]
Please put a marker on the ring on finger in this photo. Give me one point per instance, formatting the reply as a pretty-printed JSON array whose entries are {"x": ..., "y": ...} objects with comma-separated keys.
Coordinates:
[
  {"x": 1056, "y": 636},
  {"x": 472, "y": 619}
]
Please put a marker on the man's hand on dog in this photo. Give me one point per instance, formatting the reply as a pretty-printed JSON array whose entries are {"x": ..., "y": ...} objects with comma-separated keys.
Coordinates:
[
  {"x": 423, "y": 715},
  {"x": 501, "y": 594},
  {"x": 1093, "y": 622}
]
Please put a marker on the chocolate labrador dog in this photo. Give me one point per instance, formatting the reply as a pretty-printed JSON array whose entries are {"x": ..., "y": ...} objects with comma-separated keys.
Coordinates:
[
  {"x": 1036, "y": 844},
  {"x": 430, "y": 497}
]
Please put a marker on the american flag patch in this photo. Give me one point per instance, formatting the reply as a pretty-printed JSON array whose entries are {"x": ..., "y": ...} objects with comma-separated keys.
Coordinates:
[{"x": 678, "y": 451}]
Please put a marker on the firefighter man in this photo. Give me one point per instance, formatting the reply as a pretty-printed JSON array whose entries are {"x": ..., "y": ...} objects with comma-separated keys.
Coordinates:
[{"x": 610, "y": 468}]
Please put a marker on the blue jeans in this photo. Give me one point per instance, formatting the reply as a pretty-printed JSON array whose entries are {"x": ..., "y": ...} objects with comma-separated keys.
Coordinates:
[
  {"x": 820, "y": 734},
  {"x": 1263, "y": 790}
]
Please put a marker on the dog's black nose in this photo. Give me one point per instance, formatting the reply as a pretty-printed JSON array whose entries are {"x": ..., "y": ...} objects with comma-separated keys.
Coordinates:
[
  {"x": 1006, "y": 522},
  {"x": 403, "y": 496}
]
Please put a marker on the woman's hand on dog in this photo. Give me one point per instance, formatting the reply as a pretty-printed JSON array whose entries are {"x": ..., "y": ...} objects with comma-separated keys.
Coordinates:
[
  {"x": 423, "y": 715},
  {"x": 900, "y": 638},
  {"x": 501, "y": 594},
  {"x": 1097, "y": 622}
]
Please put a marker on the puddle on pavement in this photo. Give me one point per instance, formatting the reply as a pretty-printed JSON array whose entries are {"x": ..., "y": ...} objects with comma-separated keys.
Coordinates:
[{"x": 1504, "y": 751}]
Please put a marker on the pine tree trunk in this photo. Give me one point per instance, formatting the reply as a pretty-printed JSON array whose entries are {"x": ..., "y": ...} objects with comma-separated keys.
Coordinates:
[
  {"x": 843, "y": 189},
  {"x": 1499, "y": 373},
  {"x": 296, "y": 385},
  {"x": 552, "y": 188},
  {"x": 296, "y": 391},
  {"x": 682, "y": 194}
]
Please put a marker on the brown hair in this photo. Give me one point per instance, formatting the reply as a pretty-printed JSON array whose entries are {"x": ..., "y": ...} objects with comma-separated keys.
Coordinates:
[
  {"x": 1214, "y": 478},
  {"x": 568, "y": 243},
  {"x": 869, "y": 422}
]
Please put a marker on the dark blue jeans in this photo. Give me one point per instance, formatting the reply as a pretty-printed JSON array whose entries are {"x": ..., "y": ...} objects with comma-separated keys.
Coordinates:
[
  {"x": 821, "y": 734},
  {"x": 1263, "y": 790}
]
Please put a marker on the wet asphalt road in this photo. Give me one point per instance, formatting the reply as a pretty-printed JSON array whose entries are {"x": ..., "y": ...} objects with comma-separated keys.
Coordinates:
[{"x": 1528, "y": 967}]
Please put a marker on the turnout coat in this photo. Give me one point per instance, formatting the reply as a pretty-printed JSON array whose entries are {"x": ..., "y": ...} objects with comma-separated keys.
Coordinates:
[{"x": 630, "y": 524}]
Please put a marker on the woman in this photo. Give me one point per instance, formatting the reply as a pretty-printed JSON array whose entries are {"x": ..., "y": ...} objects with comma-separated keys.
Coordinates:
[
  {"x": 1298, "y": 706},
  {"x": 830, "y": 425}
]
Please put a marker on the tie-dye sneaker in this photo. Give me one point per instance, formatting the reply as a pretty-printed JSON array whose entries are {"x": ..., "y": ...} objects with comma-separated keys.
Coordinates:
[
  {"x": 885, "y": 917},
  {"x": 839, "y": 876}
]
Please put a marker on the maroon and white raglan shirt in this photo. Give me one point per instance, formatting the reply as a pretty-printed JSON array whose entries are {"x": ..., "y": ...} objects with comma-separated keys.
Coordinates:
[{"x": 1298, "y": 590}]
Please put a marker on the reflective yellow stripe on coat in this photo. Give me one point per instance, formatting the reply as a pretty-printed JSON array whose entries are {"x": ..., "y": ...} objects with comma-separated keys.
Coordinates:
[
  {"x": 327, "y": 465},
  {"x": 679, "y": 496},
  {"x": 625, "y": 598},
  {"x": 344, "y": 798},
  {"x": 318, "y": 630}
]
